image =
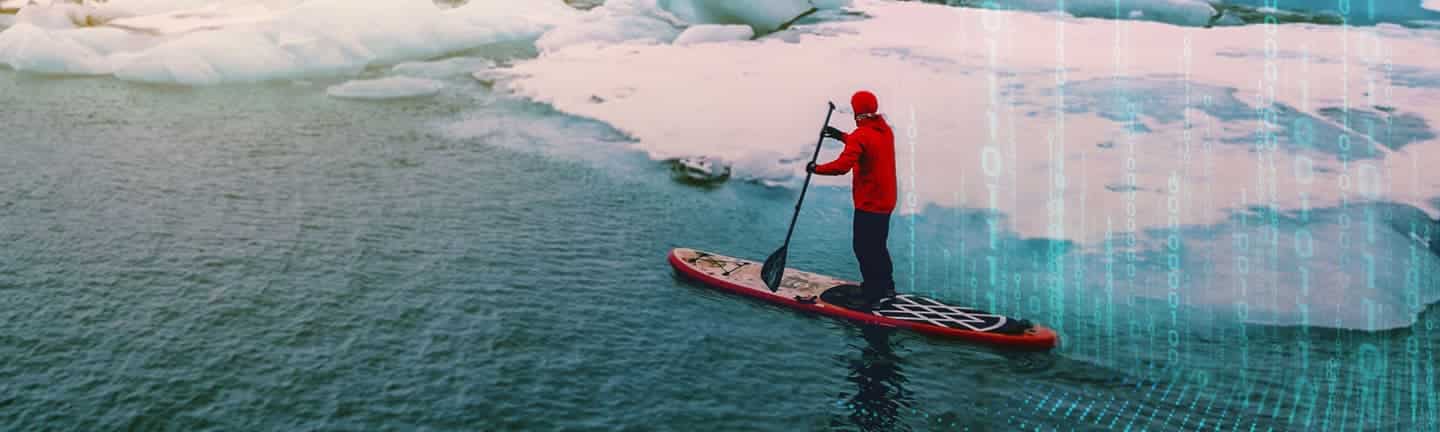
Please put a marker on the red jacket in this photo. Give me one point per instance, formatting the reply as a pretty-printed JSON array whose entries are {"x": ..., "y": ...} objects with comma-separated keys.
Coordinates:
[{"x": 870, "y": 149}]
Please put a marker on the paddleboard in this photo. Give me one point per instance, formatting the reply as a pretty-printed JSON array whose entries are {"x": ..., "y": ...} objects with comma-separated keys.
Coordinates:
[{"x": 837, "y": 298}]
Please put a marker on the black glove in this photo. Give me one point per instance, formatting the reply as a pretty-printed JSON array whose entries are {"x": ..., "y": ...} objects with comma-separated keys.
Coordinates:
[
  {"x": 810, "y": 167},
  {"x": 833, "y": 133}
]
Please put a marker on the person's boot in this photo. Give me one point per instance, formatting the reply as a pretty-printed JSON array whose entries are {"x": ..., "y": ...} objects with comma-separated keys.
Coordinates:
[
  {"x": 871, "y": 295},
  {"x": 847, "y": 296}
]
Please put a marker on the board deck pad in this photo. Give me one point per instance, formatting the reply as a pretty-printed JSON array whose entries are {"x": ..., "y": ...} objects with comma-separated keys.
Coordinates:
[
  {"x": 839, "y": 297},
  {"x": 921, "y": 309}
]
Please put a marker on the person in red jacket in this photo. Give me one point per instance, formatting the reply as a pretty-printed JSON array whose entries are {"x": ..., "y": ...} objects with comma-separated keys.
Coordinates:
[{"x": 870, "y": 151}]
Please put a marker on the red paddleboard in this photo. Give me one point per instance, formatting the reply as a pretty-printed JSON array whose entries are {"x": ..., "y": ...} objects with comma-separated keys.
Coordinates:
[{"x": 829, "y": 296}]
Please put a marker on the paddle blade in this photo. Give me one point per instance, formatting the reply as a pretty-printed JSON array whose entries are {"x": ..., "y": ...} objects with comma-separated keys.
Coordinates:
[{"x": 774, "y": 269}]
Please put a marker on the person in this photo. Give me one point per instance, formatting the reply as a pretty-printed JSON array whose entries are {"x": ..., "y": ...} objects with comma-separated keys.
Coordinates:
[{"x": 870, "y": 151}]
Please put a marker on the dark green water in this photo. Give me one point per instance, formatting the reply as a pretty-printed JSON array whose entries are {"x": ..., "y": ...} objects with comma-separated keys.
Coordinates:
[{"x": 266, "y": 258}]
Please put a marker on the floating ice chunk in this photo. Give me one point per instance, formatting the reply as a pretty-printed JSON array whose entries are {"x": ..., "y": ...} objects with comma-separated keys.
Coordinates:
[
  {"x": 661, "y": 21},
  {"x": 446, "y": 68},
  {"x": 29, "y": 48},
  {"x": 516, "y": 19},
  {"x": 764, "y": 16},
  {"x": 212, "y": 17},
  {"x": 1431, "y": 5},
  {"x": 385, "y": 88},
  {"x": 638, "y": 29},
  {"x": 320, "y": 37},
  {"x": 546, "y": 13},
  {"x": 66, "y": 39},
  {"x": 244, "y": 56},
  {"x": 57, "y": 16},
  {"x": 714, "y": 33},
  {"x": 700, "y": 169},
  {"x": 196, "y": 7},
  {"x": 152, "y": 15},
  {"x": 638, "y": 21},
  {"x": 653, "y": 8},
  {"x": 207, "y": 42}
]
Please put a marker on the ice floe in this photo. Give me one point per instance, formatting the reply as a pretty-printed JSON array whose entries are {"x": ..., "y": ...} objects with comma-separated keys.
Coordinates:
[{"x": 196, "y": 42}]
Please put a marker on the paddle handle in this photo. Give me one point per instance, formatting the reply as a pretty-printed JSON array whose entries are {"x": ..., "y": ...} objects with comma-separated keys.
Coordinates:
[{"x": 818, "y": 142}]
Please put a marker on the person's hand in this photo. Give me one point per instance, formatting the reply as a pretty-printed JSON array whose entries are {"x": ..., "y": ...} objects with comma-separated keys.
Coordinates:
[
  {"x": 833, "y": 133},
  {"x": 810, "y": 167}
]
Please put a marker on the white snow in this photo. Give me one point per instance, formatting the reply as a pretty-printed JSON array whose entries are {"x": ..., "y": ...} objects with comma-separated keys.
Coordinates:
[
  {"x": 519, "y": 16},
  {"x": 1431, "y": 5},
  {"x": 639, "y": 21},
  {"x": 385, "y": 88},
  {"x": 714, "y": 33}
]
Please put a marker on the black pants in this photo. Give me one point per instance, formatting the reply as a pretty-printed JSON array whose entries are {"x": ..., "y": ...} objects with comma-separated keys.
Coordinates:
[{"x": 872, "y": 231}]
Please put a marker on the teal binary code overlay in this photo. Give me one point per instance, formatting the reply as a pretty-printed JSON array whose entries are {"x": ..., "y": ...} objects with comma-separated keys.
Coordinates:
[
  {"x": 992, "y": 164},
  {"x": 911, "y": 137},
  {"x": 1055, "y": 203},
  {"x": 1140, "y": 324},
  {"x": 1173, "y": 242},
  {"x": 1224, "y": 368}
]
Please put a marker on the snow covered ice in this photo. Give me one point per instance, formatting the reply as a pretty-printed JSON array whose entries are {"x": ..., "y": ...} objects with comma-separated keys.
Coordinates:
[
  {"x": 195, "y": 42},
  {"x": 662, "y": 21},
  {"x": 201, "y": 42}
]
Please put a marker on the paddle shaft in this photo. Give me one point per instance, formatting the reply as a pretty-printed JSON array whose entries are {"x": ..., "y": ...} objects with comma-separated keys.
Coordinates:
[{"x": 808, "y": 174}]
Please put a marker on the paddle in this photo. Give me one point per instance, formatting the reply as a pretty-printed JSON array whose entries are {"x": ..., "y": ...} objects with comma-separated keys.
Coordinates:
[{"x": 774, "y": 268}]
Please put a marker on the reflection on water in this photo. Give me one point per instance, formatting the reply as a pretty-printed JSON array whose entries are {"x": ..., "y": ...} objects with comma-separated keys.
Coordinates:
[{"x": 878, "y": 374}]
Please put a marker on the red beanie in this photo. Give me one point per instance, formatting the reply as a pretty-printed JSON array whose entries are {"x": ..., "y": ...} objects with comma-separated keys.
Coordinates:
[{"x": 863, "y": 102}]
